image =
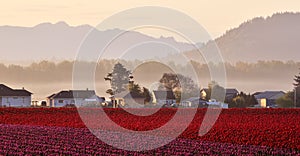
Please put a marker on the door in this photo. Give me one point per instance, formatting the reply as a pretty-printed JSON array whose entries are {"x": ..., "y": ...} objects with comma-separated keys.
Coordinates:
[{"x": 0, "y": 101}]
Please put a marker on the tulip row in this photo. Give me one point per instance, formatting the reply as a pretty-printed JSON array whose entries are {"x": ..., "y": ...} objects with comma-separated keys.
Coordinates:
[
  {"x": 46, "y": 140},
  {"x": 275, "y": 128}
]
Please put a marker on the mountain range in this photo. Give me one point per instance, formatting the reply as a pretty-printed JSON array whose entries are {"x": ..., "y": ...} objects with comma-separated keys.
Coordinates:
[
  {"x": 276, "y": 37},
  {"x": 60, "y": 41}
]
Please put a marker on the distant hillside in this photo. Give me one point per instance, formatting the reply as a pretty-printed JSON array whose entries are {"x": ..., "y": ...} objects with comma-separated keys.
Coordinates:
[
  {"x": 60, "y": 41},
  {"x": 272, "y": 38}
]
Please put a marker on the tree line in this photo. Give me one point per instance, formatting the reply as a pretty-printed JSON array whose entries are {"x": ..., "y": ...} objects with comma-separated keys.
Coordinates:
[{"x": 47, "y": 71}]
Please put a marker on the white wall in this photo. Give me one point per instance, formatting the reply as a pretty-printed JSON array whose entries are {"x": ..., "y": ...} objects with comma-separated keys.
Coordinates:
[
  {"x": 79, "y": 101},
  {"x": 48, "y": 101},
  {"x": 167, "y": 101},
  {"x": 16, "y": 101},
  {"x": 158, "y": 101}
]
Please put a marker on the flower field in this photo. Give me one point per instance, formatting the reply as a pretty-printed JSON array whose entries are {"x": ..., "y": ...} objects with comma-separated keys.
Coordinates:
[{"x": 36, "y": 131}]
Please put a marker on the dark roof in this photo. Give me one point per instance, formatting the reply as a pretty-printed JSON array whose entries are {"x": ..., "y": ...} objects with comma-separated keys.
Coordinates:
[
  {"x": 51, "y": 96},
  {"x": 74, "y": 94},
  {"x": 129, "y": 95},
  {"x": 7, "y": 91},
  {"x": 163, "y": 95},
  {"x": 228, "y": 90},
  {"x": 231, "y": 91},
  {"x": 204, "y": 89},
  {"x": 98, "y": 98},
  {"x": 269, "y": 95},
  {"x": 256, "y": 93}
]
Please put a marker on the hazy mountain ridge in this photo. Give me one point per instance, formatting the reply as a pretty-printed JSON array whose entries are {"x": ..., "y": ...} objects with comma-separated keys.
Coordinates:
[
  {"x": 60, "y": 41},
  {"x": 276, "y": 37}
]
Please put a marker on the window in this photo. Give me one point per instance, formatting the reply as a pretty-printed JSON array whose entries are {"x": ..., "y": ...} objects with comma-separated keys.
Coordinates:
[
  {"x": 15, "y": 97},
  {"x": 23, "y": 99},
  {"x": 60, "y": 101},
  {"x": 72, "y": 101}
]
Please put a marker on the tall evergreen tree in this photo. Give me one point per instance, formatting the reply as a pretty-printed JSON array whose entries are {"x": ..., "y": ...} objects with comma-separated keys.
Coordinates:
[
  {"x": 119, "y": 78},
  {"x": 297, "y": 80}
]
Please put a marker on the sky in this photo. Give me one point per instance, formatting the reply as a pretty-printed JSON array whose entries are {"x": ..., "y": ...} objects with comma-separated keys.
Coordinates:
[{"x": 214, "y": 15}]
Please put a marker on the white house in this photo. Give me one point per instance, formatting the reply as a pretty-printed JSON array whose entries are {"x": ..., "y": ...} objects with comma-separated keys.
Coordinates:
[
  {"x": 215, "y": 103},
  {"x": 73, "y": 97},
  {"x": 193, "y": 102},
  {"x": 14, "y": 97},
  {"x": 268, "y": 98},
  {"x": 163, "y": 97}
]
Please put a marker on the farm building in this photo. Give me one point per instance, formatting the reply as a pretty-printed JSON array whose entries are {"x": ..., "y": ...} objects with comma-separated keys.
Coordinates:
[
  {"x": 128, "y": 99},
  {"x": 268, "y": 98},
  {"x": 163, "y": 97},
  {"x": 193, "y": 102},
  {"x": 230, "y": 93},
  {"x": 72, "y": 97},
  {"x": 14, "y": 97}
]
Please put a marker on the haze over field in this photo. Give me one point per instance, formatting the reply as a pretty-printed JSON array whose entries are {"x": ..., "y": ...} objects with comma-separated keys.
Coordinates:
[{"x": 45, "y": 78}]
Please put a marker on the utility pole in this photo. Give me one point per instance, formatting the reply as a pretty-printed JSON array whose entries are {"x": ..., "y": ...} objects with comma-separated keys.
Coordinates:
[{"x": 297, "y": 96}]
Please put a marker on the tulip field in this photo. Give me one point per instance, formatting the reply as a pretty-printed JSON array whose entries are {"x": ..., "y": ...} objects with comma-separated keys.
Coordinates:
[{"x": 61, "y": 131}]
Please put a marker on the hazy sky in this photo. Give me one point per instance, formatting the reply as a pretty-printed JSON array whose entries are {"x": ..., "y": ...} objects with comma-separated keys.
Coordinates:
[{"x": 215, "y": 15}]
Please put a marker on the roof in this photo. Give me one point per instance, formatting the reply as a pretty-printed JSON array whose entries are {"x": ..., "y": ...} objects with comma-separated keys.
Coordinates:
[
  {"x": 7, "y": 91},
  {"x": 269, "y": 95},
  {"x": 256, "y": 93},
  {"x": 130, "y": 95},
  {"x": 194, "y": 99},
  {"x": 163, "y": 95},
  {"x": 204, "y": 89},
  {"x": 74, "y": 94},
  {"x": 231, "y": 91},
  {"x": 228, "y": 90},
  {"x": 51, "y": 96},
  {"x": 98, "y": 98}
]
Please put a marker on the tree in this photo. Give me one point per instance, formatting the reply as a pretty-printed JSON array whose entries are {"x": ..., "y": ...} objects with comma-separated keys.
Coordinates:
[
  {"x": 251, "y": 100},
  {"x": 118, "y": 78},
  {"x": 183, "y": 87},
  {"x": 110, "y": 92},
  {"x": 239, "y": 101},
  {"x": 242, "y": 100},
  {"x": 121, "y": 80},
  {"x": 297, "y": 80},
  {"x": 286, "y": 101},
  {"x": 217, "y": 90},
  {"x": 147, "y": 95},
  {"x": 135, "y": 88}
]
